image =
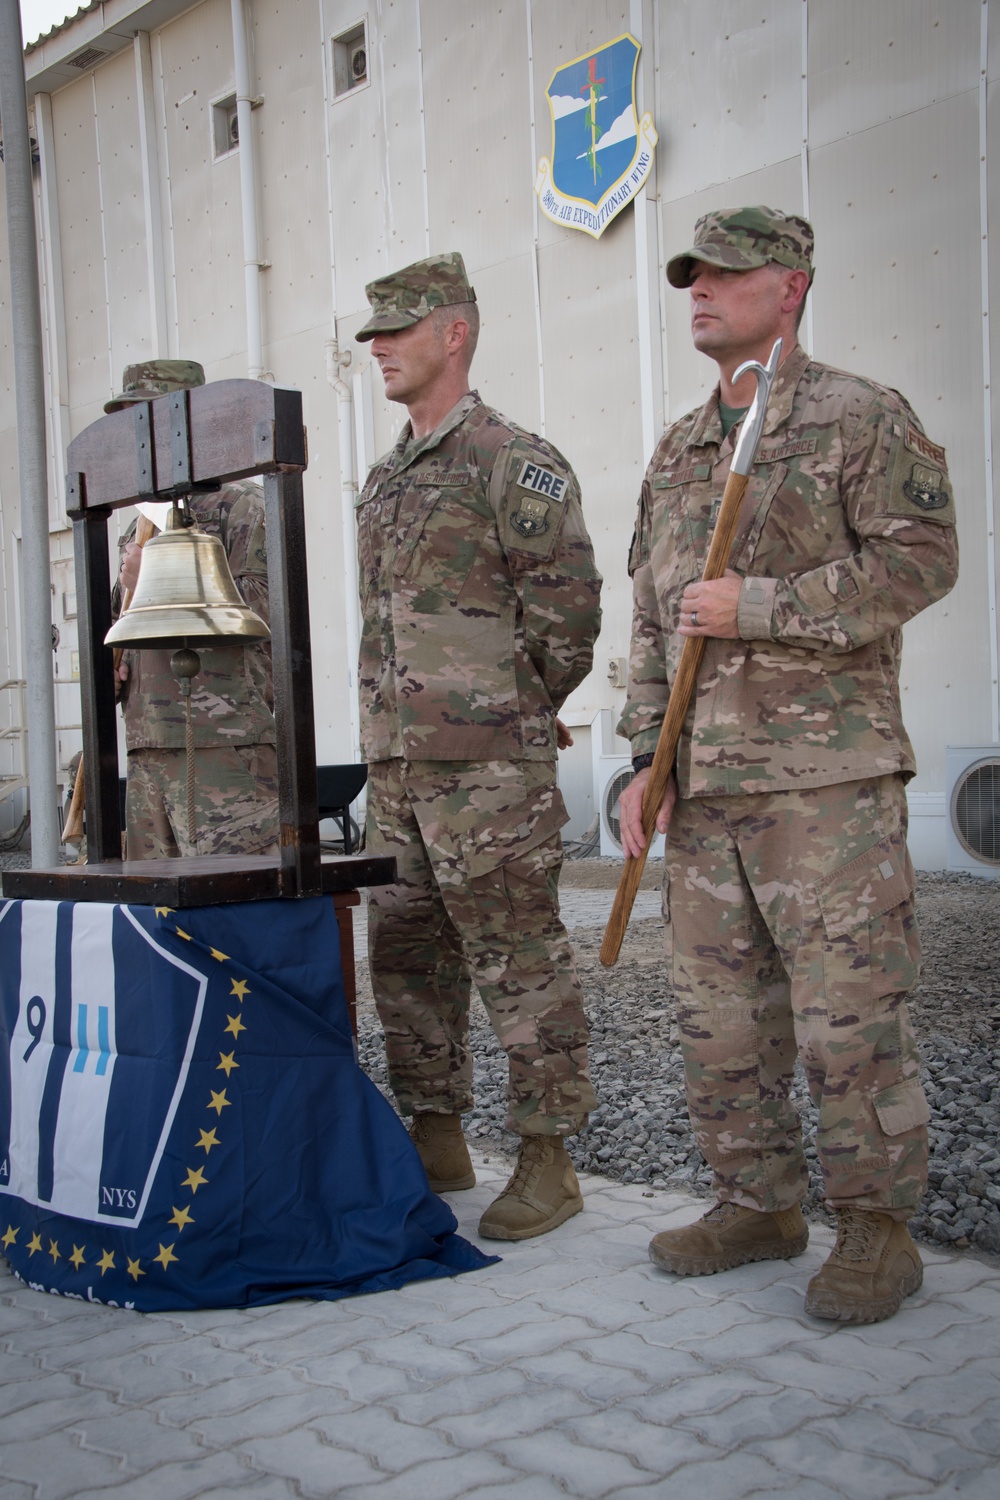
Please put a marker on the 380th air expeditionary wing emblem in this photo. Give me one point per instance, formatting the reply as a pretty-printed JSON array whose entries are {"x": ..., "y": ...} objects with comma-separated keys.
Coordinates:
[{"x": 602, "y": 152}]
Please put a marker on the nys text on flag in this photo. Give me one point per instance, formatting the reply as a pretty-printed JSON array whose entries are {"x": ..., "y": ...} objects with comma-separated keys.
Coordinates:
[{"x": 182, "y": 1119}]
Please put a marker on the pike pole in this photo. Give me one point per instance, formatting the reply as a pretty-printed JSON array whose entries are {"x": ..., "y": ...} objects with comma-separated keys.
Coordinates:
[{"x": 692, "y": 652}]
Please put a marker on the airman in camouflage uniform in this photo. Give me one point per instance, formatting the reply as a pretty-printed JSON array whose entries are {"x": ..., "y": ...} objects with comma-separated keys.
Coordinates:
[
  {"x": 480, "y": 604},
  {"x": 788, "y": 883},
  {"x": 236, "y": 783}
]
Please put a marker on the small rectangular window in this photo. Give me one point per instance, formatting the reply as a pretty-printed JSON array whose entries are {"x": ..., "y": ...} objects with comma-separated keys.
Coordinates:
[
  {"x": 225, "y": 126},
  {"x": 350, "y": 59}
]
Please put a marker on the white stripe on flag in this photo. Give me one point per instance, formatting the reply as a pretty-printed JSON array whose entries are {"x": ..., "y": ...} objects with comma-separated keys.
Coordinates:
[{"x": 83, "y": 1106}]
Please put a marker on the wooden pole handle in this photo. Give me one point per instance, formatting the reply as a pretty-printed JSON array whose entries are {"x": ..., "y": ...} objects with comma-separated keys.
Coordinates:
[
  {"x": 673, "y": 723},
  {"x": 73, "y": 827}
]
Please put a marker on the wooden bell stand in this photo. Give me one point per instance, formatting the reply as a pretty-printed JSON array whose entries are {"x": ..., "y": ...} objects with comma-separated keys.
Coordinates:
[{"x": 156, "y": 450}]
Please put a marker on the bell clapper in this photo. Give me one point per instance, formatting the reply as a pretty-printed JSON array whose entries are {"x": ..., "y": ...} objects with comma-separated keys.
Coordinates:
[{"x": 185, "y": 664}]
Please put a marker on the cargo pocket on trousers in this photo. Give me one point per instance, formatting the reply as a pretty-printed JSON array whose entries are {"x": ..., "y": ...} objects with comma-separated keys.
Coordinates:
[
  {"x": 511, "y": 862},
  {"x": 871, "y": 948},
  {"x": 902, "y": 1107}
]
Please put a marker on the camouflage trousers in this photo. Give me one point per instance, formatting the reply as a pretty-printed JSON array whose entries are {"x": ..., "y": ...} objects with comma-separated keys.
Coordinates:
[
  {"x": 478, "y": 856},
  {"x": 236, "y": 802},
  {"x": 794, "y": 934}
]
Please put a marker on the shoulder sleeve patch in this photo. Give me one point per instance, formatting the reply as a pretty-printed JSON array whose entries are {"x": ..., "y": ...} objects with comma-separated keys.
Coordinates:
[
  {"x": 918, "y": 443},
  {"x": 541, "y": 481},
  {"x": 917, "y": 475}
]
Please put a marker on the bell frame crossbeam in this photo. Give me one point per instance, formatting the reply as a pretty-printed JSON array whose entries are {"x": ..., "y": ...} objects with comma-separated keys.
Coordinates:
[{"x": 158, "y": 450}]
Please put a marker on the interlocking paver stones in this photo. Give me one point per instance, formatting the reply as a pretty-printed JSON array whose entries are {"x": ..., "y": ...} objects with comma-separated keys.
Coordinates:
[
  {"x": 214, "y": 1474},
  {"x": 136, "y": 1438},
  {"x": 655, "y": 1445},
  {"x": 447, "y": 1479},
  {"x": 521, "y": 1344},
  {"x": 760, "y": 1417},
  {"x": 929, "y": 1455},
  {"x": 391, "y": 1445},
  {"x": 735, "y": 1477},
  {"x": 464, "y": 1389},
  {"x": 804, "y": 1367},
  {"x": 808, "y": 1454},
  {"x": 576, "y": 1370},
  {"x": 49, "y": 1414},
  {"x": 485, "y": 1323},
  {"x": 59, "y": 1467},
  {"x": 585, "y": 1471},
  {"x": 534, "y": 1409},
  {"x": 474, "y": 1393},
  {"x": 21, "y": 1388},
  {"x": 700, "y": 1390},
  {"x": 971, "y": 1390},
  {"x": 315, "y": 1466},
  {"x": 360, "y": 1377},
  {"x": 270, "y": 1415}
]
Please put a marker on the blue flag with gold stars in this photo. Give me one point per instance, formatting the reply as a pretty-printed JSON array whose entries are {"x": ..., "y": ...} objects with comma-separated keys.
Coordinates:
[{"x": 183, "y": 1122}]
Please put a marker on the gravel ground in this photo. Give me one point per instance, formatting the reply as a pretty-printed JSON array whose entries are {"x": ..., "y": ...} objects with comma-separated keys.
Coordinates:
[{"x": 640, "y": 1130}]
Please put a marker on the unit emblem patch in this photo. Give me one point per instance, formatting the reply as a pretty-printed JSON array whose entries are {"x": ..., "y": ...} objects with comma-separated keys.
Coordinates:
[
  {"x": 531, "y": 517},
  {"x": 925, "y": 488}
]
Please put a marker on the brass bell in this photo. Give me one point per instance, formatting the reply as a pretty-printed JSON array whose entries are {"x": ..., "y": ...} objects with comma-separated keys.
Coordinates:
[{"x": 185, "y": 594}]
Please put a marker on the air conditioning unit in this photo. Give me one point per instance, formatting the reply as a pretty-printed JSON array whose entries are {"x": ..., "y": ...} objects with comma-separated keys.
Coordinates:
[
  {"x": 359, "y": 64},
  {"x": 612, "y": 774},
  {"x": 973, "y": 826}
]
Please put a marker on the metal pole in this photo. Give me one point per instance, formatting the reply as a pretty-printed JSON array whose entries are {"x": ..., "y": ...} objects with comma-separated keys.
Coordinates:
[
  {"x": 29, "y": 385},
  {"x": 248, "y": 194}
]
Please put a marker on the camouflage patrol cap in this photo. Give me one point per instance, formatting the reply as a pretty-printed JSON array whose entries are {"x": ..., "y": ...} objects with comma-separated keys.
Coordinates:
[
  {"x": 407, "y": 296},
  {"x": 741, "y": 239},
  {"x": 156, "y": 377}
]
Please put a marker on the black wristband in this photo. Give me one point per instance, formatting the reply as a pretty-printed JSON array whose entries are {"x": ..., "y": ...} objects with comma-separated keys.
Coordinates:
[{"x": 640, "y": 762}]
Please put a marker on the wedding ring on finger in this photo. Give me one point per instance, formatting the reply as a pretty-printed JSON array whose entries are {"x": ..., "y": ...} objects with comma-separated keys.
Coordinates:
[{"x": 694, "y": 617}]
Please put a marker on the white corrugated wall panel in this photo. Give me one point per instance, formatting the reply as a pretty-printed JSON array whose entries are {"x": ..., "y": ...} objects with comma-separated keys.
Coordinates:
[
  {"x": 874, "y": 62},
  {"x": 731, "y": 86},
  {"x": 92, "y": 374},
  {"x": 196, "y": 59},
  {"x": 897, "y": 299},
  {"x": 122, "y": 209}
]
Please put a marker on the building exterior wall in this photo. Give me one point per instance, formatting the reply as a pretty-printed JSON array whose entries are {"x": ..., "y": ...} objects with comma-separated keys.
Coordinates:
[{"x": 880, "y": 122}]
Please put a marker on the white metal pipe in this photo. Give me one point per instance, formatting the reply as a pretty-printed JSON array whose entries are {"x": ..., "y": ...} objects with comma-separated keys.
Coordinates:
[
  {"x": 248, "y": 193},
  {"x": 151, "y": 195},
  {"x": 29, "y": 384},
  {"x": 348, "y": 495},
  {"x": 984, "y": 253}
]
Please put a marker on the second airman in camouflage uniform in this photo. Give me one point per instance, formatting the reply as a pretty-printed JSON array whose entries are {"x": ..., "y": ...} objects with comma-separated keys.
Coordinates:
[
  {"x": 788, "y": 882},
  {"x": 480, "y": 604},
  {"x": 236, "y": 784}
]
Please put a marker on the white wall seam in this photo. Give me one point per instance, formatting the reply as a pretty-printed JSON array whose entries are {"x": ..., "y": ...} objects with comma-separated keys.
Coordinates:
[
  {"x": 804, "y": 155},
  {"x": 536, "y": 289},
  {"x": 423, "y": 135},
  {"x": 640, "y": 230},
  {"x": 167, "y": 202},
  {"x": 984, "y": 262},
  {"x": 112, "y": 373}
]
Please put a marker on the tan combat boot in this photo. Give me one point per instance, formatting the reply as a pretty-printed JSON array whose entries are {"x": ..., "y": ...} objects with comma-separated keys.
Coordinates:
[
  {"x": 542, "y": 1193},
  {"x": 441, "y": 1147},
  {"x": 730, "y": 1235},
  {"x": 874, "y": 1265}
]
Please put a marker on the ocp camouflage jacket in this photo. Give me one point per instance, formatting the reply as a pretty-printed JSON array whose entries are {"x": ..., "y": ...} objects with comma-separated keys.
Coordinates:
[
  {"x": 847, "y": 531},
  {"x": 479, "y": 593},
  {"x": 232, "y": 695}
]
